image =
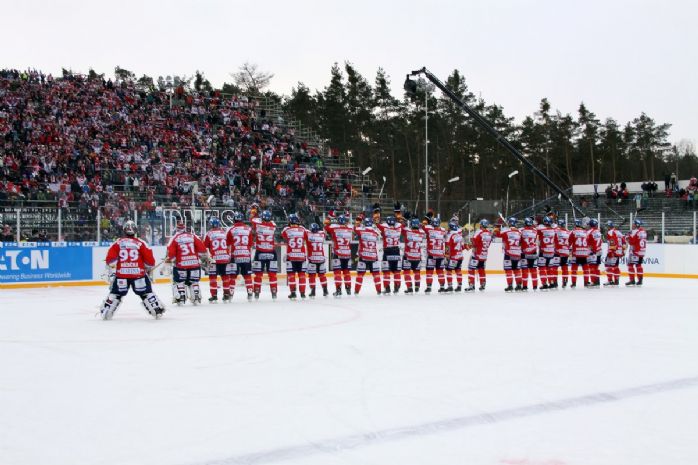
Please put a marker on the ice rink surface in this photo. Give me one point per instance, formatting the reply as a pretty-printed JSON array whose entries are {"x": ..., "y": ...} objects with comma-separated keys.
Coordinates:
[{"x": 574, "y": 377}]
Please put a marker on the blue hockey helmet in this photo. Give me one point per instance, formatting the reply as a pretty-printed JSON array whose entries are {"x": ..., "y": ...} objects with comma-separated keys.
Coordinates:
[
  {"x": 593, "y": 223},
  {"x": 390, "y": 220},
  {"x": 637, "y": 222},
  {"x": 512, "y": 221},
  {"x": 294, "y": 219},
  {"x": 266, "y": 215},
  {"x": 314, "y": 227},
  {"x": 436, "y": 222},
  {"x": 214, "y": 222},
  {"x": 414, "y": 223},
  {"x": 484, "y": 223},
  {"x": 368, "y": 221},
  {"x": 238, "y": 217},
  {"x": 561, "y": 222},
  {"x": 528, "y": 221},
  {"x": 341, "y": 219},
  {"x": 547, "y": 221},
  {"x": 610, "y": 224},
  {"x": 578, "y": 223},
  {"x": 453, "y": 225}
]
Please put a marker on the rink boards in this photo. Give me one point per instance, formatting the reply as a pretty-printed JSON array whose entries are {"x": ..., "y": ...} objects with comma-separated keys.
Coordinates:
[{"x": 32, "y": 264}]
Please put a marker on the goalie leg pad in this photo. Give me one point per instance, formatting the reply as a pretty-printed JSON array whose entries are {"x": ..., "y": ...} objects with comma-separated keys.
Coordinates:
[
  {"x": 109, "y": 306},
  {"x": 152, "y": 304}
]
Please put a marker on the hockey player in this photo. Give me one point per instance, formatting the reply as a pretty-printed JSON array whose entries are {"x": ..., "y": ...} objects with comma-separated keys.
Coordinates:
[
  {"x": 480, "y": 244},
  {"x": 240, "y": 242},
  {"x": 529, "y": 249},
  {"x": 368, "y": 237},
  {"x": 296, "y": 237},
  {"x": 317, "y": 262},
  {"x": 217, "y": 244},
  {"x": 580, "y": 251},
  {"x": 436, "y": 251},
  {"x": 562, "y": 251},
  {"x": 130, "y": 260},
  {"x": 616, "y": 250},
  {"x": 341, "y": 235},
  {"x": 391, "y": 231},
  {"x": 187, "y": 252},
  {"x": 511, "y": 245},
  {"x": 265, "y": 259},
  {"x": 547, "y": 265},
  {"x": 454, "y": 256},
  {"x": 595, "y": 242},
  {"x": 414, "y": 238},
  {"x": 637, "y": 239}
]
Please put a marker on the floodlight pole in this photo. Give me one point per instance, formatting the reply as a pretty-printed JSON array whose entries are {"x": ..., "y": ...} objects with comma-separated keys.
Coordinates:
[
  {"x": 488, "y": 127},
  {"x": 426, "y": 150}
]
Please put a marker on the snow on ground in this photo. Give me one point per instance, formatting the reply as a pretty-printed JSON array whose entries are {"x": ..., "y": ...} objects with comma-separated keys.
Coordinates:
[{"x": 574, "y": 377}]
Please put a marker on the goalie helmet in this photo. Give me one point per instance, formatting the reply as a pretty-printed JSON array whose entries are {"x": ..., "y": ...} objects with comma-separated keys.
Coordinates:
[{"x": 130, "y": 228}]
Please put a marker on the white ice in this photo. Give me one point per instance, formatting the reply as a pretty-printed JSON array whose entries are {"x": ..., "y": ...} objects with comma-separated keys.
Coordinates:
[{"x": 603, "y": 377}]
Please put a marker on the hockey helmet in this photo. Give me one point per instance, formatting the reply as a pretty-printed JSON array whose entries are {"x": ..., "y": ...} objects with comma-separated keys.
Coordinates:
[
  {"x": 453, "y": 225},
  {"x": 390, "y": 220},
  {"x": 314, "y": 227},
  {"x": 578, "y": 223},
  {"x": 266, "y": 215},
  {"x": 414, "y": 223},
  {"x": 214, "y": 222},
  {"x": 484, "y": 223},
  {"x": 294, "y": 219},
  {"x": 436, "y": 222},
  {"x": 130, "y": 228},
  {"x": 610, "y": 224},
  {"x": 547, "y": 221},
  {"x": 561, "y": 222},
  {"x": 637, "y": 222},
  {"x": 368, "y": 221},
  {"x": 238, "y": 217},
  {"x": 341, "y": 219},
  {"x": 512, "y": 221},
  {"x": 180, "y": 227},
  {"x": 528, "y": 221},
  {"x": 593, "y": 223}
]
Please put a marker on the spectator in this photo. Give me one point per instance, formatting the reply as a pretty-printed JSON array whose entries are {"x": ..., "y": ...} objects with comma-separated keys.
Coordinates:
[
  {"x": 673, "y": 181},
  {"x": 6, "y": 235}
]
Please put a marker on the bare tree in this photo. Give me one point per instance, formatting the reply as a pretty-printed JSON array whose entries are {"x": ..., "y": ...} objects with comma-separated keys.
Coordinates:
[{"x": 250, "y": 79}]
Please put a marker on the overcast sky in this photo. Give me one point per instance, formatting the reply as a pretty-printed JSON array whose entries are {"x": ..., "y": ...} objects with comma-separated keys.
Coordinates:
[{"x": 619, "y": 57}]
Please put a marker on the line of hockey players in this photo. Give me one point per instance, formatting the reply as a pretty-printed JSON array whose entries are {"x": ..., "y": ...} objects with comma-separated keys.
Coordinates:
[{"x": 535, "y": 253}]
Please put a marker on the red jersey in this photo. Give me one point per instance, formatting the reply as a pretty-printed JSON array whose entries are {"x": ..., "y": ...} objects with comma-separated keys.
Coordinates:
[
  {"x": 579, "y": 243},
  {"x": 130, "y": 255},
  {"x": 240, "y": 241},
  {"x": 216, "y": 242},
  {"x": 511, "y": 242},
  {"x": 547, "y": 239},
  {"x": 368, "y": 243},
  {"x": 562, "y": 242},
  {"x": 263, "y": 235},
  {"x": 391, "y": 234},
  {"x": 341, "y": 236},
  {"x": 637, "y": 239},
  {"x": 595, "y": 239},
  {"x": 315, "y": 243},
  {"x": 184, "y": 248},
  {"x": 296, "y": 237},
  {"x": 616, "y": 241},
  {"x": 455, "y": 245},
  {"x": 529, "y": 241},
  {"x": 414, "y": 241},
  {"x": 480, "y": 243},
  {"x": 436, "y": 241}
]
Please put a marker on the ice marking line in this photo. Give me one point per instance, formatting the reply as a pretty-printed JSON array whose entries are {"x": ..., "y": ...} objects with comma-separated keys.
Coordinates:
[{"x": 356, "y": 441}]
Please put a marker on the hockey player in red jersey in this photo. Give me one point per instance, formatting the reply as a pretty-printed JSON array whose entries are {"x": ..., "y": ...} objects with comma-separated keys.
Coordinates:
[
  {"x": 616, "y": 250},
  {"x": 547, "y": 265},
  {"x": 637, "y": 240},
  {"x": 562, "y": 251},
  {"x": 341, "y": 235},
  {"x": 529, "y": 249},
  {"x": 368, "y": 237},
  {"x": 130, "y": 260},
  {"x": 513, "y": 261},
  {"x": 296, "y": 237},
  {"x": 240, "y": 241},
  {"x": 454, "y": 256},
  {"x": 217, "y": 244},
  {"x": 317, "y": 262},
  {"x": 595, "y": 241},
  {"x": 580, "y": 251},
  {"x": 186, "y": 251},
  {"x": 436, "y": 251},
  {"x": 265, "y": 259},
  {"x": 414, "y": 238},
  {"x": 391, "y": 231},
  {"x": 480, "y": 244}
]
